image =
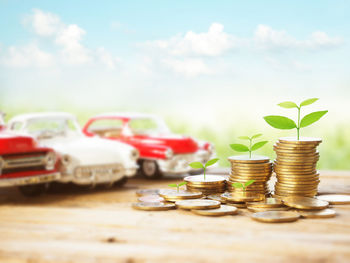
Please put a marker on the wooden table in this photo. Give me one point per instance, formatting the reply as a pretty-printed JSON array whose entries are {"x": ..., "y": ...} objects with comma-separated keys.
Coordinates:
[{"x": 78, "y": 225}]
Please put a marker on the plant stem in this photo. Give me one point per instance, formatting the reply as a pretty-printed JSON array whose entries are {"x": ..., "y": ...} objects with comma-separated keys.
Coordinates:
[
  {"x": 204, "y": 173},
  {"x": 298, "y": 126},
  {"x": 178, "y": 187}
]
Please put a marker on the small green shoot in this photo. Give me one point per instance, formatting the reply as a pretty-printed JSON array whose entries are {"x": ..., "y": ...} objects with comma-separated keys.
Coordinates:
[
  {"x": 284, "y": 123},
  {"x": 198, "y": 165},
  {"x": 177, "y": 185},
  {"x": 243, "y": 186},
  {"x": 243, "y": 148}
]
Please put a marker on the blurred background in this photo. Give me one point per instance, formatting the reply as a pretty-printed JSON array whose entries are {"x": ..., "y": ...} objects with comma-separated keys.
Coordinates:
[{"x": 212, "y": 70}]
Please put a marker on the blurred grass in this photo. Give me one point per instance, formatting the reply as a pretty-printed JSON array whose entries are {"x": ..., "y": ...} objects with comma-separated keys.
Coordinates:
[{"x": 334, "y": 150}]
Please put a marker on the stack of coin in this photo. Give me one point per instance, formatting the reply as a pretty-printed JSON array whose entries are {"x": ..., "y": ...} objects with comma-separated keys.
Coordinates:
[
  {"x": 240, "y": 199},
  {"x": 212, "y": 184},
  {"x": 244, "y": 168},
  {"x": 172, "y": 195},
  {"x": 295, "y": 167},
  {"x": 268, "y": 204}
]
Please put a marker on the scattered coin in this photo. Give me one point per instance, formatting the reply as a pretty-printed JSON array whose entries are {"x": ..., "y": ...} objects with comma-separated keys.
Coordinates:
[
  {"x": 151, "y": 199},
  {"x": 197, "y": 204},
  {"x": 244, "y": 197},
  {"x": 142, "y": 192},
  {"x": 269, "y": 202},
  {"x": 221, "y": 211},
  {"x": 335, "y": 199},
  {"x": 153, "y": 206},
  {"x": 325, "y": 213},
  {"x": 307, "y": 203},
  {"x": 261, "y": 209},
  {"x": 275, "y": 216},
  {"x": 174, "y": 195}
]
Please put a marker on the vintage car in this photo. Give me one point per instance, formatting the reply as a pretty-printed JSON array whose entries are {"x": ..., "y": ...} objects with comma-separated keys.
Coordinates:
[
  {"x": 84, "y": 161},
  {"x": 24, "y": 164},
  {"x": 161, "y": 151}
]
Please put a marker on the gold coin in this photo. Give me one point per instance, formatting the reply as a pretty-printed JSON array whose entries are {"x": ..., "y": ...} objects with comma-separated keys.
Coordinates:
[
  {"x": 250, "y": 168},
  {"x": 325, "y": 213},
  {"x": 247, "y": 159},
  {"x": 275, "y": 216},
  {"x": 293, "y": 154},
  {"x": 261, "y": 209},
  {"x": 252, "y": 165},
  {"x": 223, "y": 210},
  {"x": 267, "y": 203},
  {"x": 288, "y": 186},
  {"x": 238, "y": 205},
  {"x": 209, "y": 179},
  {"x": 153, "y": 206},
  {"x": 142, "y": 192},
  {"x": 243, "y": 197},
  {"x": 304, "y": 202},
  {"x": 295, "y": 192},
  {"x": 151, "y": 199},
  {"x": 286, "y": 172},
  {"x": 197, "y": 204},
  {"x": 302, "y": 140},
  {"x": 173, "y": 195},
  {"x": 293, "y": 151},
  {"x": 335, "y": 199},
  {"x": 216, "y": 197}
]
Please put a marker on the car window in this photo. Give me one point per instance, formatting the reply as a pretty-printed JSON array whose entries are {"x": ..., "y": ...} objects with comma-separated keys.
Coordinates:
[
  {"x": 16, "y": 126},
  {"x": 106, "y": 127},
  {"x": 47, "y": 128},
  {"x": 143, "y": 126}
]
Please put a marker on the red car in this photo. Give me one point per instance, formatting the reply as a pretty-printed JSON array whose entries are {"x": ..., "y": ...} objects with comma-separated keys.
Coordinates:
[
  {"x": 161, "y": 151},
  {"x": 24, "y": 164}
]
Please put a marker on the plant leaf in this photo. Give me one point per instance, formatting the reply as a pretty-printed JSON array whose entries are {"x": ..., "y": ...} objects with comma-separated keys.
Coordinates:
[
  {"x": 288, "y": 105},
  {"x": 244, "y": 138},
  {"x": 196, "y": 165},
  {"x": 239, "y": 147},
  {"x": 259, "y": 145},
  {"x": 256, "y": 135},
  {"x": 249, "y": 183},
  {"x": 237, "y": 185},
  {"x": 280, "y": 122},
  {"x": 308, "y": 102},
  {"x": 172, "y": 185},
  {"x": 183, "y": 183},
  {"x": 311, "y": 118},
  {"x": 211, "y": 162}
]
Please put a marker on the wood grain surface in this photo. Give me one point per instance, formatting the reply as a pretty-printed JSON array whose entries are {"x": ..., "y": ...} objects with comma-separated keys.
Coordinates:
[{"x": 70, "y": 224}]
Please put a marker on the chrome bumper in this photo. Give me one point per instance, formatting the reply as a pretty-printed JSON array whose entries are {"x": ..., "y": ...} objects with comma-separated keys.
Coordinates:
[
  {"x": 131, "y": 171},
  {"x": 35, "y": 179},
  {"x": 179, "y": 163}
]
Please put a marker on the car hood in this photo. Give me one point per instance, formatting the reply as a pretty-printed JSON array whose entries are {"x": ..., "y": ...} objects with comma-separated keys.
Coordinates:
[
  {"x": 178, "y": 143},
  {"x": 90, "y": 151},
  {"x": 13, "y": 143}
]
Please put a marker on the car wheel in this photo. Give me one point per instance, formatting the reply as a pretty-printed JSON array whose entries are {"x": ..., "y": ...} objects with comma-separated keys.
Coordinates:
[
  {"x": 33, "y": 189},
  {"x": 121, "y": 182},
  {"x": 150, "y": 169}
]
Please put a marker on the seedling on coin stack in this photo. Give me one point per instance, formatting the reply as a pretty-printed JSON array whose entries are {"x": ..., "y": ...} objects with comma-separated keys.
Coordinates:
[
  {"x": 295, "y": 165},
  {"x": 207, "y": 184},
  {"x": 178, "y": 185},
  {"x": 246, "y": 169}
]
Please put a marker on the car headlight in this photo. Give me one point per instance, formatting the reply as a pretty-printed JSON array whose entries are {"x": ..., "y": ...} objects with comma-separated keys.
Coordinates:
[
  {"x": 134, "y": 154},
  {"x": 211, "y": 148},
  {"x": 169, "y": 153},
  {"x": 2, "y": 162},
  {"x": 50, "y": 161},
  {"x": 66, "y": 160}
]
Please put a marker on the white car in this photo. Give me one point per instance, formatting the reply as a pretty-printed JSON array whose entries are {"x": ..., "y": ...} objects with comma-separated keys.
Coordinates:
[{"x": 84, "y": 160}]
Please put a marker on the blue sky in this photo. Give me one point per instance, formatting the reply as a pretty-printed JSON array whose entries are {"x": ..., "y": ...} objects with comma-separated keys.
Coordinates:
[{"x": 176, "y": 55}]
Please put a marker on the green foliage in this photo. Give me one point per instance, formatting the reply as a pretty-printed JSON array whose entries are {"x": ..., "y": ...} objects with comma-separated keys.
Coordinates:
[
  {"x": 284, "y": 123},
  {"x": 243, "y": 186},
  {"x": 177, "y": 185},
  {"x": 243, "y": 148},
  {"x": 198, "y": 165}
]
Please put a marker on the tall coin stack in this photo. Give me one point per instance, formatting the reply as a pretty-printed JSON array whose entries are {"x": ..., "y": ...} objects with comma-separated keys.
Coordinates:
[
  {"x": 213, "y": 184},
  {"x": 244, "y": 168},
  {"x": 295, "y": 167}
]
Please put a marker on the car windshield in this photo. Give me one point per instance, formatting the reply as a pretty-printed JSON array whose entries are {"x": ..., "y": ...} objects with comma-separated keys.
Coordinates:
[
  {"x": 49, "y": 128},
  {"x": 148, "y": 126}
]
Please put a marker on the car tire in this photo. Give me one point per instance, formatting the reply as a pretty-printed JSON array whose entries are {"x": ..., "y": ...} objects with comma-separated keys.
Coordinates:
[
  {"x": 33, "y": 189},
  {"x": 149, "y": 169},
  {"x": 121, "y": 182}
]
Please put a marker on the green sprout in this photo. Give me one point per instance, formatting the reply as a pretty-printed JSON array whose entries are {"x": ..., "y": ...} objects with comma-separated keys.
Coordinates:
[
  {"x": 284, "y": 123},
  {"x": 243, "y": 148},
  {"x": 198, "y": 165},
  {"x": 177, "y": 185},
  {"x": 243, "y": 186}
]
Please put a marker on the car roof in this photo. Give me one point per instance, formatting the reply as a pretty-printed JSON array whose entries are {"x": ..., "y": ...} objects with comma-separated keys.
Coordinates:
[
  {"x": 44, "y": 115},
  {"x": 124, "y": 115}
]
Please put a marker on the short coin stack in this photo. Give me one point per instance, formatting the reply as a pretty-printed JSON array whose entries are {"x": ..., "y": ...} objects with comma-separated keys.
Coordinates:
[
  {"x": 212, "y": 184},
  {"x": 295, "y": 167},
  {"x": 244, "y": 168}
]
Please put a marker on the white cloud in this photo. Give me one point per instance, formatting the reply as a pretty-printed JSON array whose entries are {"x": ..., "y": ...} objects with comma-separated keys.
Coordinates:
[
  {"x": 43, "y": 23},
  {"x": 215, "y": 42},
  {"x": 29, "y": 55},
  {"x": 266, "y": 37},
  {"x": 189, "y": 67},
  {"x": 106, "y": 58}
]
